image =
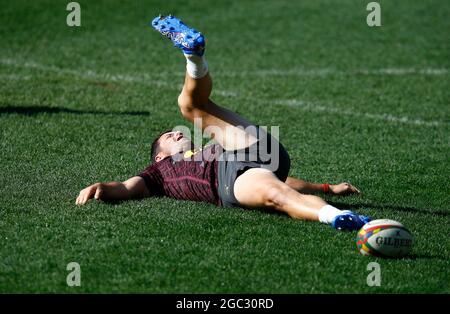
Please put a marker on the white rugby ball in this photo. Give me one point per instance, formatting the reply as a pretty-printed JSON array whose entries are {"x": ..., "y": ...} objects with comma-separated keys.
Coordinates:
[{"x": 384, "y": 238}]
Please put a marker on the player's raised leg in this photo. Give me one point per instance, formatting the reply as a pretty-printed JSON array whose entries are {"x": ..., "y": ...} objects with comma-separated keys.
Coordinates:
[
  {"x": 225, "y": 126},
  {"x": 258, "y": 188}
]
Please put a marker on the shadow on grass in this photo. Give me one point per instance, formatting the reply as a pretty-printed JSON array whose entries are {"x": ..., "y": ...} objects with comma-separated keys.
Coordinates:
[
  {"x": 35, "y": 110},
  {"x": 391, "y": 207}
]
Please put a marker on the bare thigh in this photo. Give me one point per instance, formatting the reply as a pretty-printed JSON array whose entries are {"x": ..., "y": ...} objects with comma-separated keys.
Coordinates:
[
  {"x": 251, "y": 187},
  {"x": 260, "y": 188},
  {"x": 228, "y": 128}
]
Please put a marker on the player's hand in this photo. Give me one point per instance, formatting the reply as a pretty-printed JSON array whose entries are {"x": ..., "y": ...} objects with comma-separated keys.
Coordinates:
[
  {"x": 93, "y": 191},
  {"x": 344, "y": 188}
]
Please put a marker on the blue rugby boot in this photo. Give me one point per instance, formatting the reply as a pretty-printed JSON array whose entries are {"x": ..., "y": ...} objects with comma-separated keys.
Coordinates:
[
  {"x": 189, "y": 40},
  {"x": 349, "y": 221}
]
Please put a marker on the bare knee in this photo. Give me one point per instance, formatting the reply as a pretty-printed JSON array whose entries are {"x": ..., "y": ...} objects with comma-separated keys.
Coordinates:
[
  {"x": 275, "y": 195},
  {"x": 187, "y": 106}
]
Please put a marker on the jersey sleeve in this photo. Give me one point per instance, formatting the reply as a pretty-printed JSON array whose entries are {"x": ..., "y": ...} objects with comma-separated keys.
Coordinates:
[{"x": 153, "y": 180}]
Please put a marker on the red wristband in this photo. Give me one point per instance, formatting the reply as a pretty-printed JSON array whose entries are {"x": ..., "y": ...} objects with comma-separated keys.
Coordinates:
[{"x": 326, "y": 188}]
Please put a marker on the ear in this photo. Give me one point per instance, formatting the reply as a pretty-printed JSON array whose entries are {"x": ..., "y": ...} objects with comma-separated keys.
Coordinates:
[{"x": 160, "y": 156}]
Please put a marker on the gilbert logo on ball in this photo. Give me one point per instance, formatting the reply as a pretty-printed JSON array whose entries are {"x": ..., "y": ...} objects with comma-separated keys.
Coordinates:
[{"x": 384, "y": 238}]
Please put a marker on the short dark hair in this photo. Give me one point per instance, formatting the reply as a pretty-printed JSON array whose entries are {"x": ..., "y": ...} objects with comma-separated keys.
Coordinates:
[{"x": 155, "y": 146}]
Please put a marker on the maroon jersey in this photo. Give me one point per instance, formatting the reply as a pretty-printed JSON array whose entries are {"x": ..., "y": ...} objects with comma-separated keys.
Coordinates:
[{"x": 189, "y": 176}]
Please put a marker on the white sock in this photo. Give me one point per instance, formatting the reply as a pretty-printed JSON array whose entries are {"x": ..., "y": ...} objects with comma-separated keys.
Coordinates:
[
  {"x": 328, "y": 213},
  {"x": 196, "y": 66}
]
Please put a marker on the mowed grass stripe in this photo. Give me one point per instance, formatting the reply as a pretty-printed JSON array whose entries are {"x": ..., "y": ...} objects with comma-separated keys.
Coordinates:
[{"x": 305, "y": 105}]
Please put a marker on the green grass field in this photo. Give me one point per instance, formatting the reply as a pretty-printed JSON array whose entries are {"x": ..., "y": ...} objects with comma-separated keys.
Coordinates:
[{"x": 79, "y": 105}]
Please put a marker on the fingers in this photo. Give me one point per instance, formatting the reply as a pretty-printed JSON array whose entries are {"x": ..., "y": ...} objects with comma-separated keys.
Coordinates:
[
  {"x": 79, "y": 200},
  {"x": 352, "y": 189},
  {"x": 345, "y": 188},
  {"x": 85, "y": 195},
  {"x": 82, "y": 198}
]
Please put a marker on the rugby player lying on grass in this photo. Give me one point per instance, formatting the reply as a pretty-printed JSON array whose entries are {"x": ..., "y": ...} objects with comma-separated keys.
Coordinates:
[{"x": 247, "y": 167}]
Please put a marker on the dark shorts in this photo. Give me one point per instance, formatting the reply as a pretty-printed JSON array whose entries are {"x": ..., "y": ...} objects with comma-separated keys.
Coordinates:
[{"x": 267, "y": 153}]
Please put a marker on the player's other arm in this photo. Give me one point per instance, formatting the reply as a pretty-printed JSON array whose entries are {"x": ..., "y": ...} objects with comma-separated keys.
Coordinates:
[
  {"x": 305, "y": 187},
  {"x": 133, "y": 188}
]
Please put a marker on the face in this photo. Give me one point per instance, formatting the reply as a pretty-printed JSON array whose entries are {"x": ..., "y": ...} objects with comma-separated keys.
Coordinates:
[{"x": 172, "y": 143}]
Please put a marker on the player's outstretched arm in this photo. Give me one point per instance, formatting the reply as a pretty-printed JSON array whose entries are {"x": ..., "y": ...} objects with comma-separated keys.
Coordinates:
[
  {"x": 305, "y": 187},
  {"x": 133, "y": 188}
]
